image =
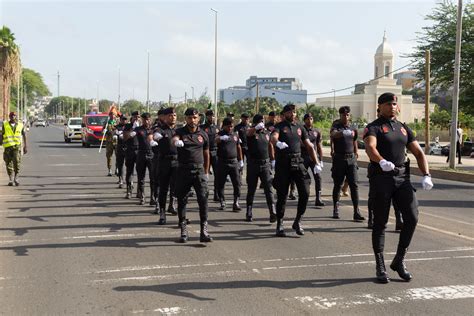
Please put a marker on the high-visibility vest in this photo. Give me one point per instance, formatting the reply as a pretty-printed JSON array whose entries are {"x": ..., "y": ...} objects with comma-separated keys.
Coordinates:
[{"x": 11, "y": 138}]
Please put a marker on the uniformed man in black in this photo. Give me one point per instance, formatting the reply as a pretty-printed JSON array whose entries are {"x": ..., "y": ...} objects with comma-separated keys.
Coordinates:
[
  {"x": 260, "y": 158},
  {"x": 211, "y": 129},
  {"x": 167, "y": 164},
  {"x": 131, "y": 144},
  {"x": 270, "y": 124},
  {"x": 344, "y": 161},
  {"x": 287, "y": 137},
  {"x": 314, "y": 136},
  {"x": 241, "y": 129},
  {"x": 144, "y": 157},
  {"x": 193, "y": 171},
  {"x": 386, "y": 140},
  {"x": 229, "y": 162},
  {"x": 156, "y": 162},
  {"x": 120, "y": 149}
]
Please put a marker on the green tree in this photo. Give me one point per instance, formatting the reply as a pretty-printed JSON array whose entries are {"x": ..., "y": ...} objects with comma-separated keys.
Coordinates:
[
  {"x": 440, "y": 39},
  {"x": 34, "y": 84},
  {"x": 130, "y": 106},
  {"x": 440, "y": 118},
  {"x": 10, "y": 66}
]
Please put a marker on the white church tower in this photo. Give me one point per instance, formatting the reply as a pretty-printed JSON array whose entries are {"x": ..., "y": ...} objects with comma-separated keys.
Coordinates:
[{"x": 383, "y": 60}]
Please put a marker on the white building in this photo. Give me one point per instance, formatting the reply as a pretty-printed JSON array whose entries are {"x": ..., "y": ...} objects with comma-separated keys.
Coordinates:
[
  {"x": 284, "y": 90},
  {"x": 363, "y": 101}
]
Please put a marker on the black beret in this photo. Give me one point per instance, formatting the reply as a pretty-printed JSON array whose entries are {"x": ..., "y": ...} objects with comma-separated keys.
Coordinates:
[
  {"x": 167, "y": 111},
  {"x": 146, "y": 115},
  {"x": 288, "y": 107},
  {"x": 209, "y": 113},
  {"x": 245, "y": 115},
  {"x": 135, "y": 113},
  {"x": 272, "y": 113},
  {"x": 160, "y": 111},
  {"x": 344, "y": 109},
  {"x": 307, "y": 115},
  {"x": 257, "y": 119},
  {"x": 191, "y": 111},
  {"x": 226, "y": 121},
  {"x": 387, "y": 97}
]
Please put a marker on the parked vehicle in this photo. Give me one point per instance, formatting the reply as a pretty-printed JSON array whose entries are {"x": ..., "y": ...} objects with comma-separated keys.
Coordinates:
[
  {"x": 92, "y": 128},
  {"x": 41, "y": 123},
  {"x": 466, "y": 150},
  {"x": 72, "y": 129},
  {"x": 435, "y": 148}
]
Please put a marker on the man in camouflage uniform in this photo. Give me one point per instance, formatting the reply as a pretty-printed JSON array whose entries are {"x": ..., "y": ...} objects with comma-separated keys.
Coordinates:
[
  {"x": 109, "y": 138},
  {"x": 11, "y": 137}
]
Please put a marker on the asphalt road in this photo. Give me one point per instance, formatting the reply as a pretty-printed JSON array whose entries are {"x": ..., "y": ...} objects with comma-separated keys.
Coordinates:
[{"x": 71, "y": 244}]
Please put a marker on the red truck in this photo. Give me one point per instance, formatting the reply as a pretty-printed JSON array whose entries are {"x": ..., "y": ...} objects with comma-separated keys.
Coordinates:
[{"x": 92, "y": 128}]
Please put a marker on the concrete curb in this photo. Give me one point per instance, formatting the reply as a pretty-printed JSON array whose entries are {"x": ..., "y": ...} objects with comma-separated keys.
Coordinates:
[{"x": 435, "y": 173}]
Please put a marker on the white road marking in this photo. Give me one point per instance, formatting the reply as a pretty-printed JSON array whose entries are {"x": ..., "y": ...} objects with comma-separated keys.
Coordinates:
[
  {"x": 447, "y": 219},
  {"x": 446, "y": 232},
  {"x": 451, "y": 292},
  {"x": 161, "y": 310}
]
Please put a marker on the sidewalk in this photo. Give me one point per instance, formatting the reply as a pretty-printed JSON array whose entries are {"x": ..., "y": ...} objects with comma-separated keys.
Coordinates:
[{"x": 439, "y": 168}]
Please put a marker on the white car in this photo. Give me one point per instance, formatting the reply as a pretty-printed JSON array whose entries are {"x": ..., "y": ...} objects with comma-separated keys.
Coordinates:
[
  {"x": 72, "y": 129},
  {"x": 41, "y": 123}
]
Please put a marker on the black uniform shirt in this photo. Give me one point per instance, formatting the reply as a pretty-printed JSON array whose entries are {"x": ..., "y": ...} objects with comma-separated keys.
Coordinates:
[
  {"x": 142, "y": 138},
  {"x": 131, "y": 143},
  {"x": 242, "y": 130},
  {"x": 292, "y": 134},
  {"x": 194, "y": 145},
  {"x": 164, "y": 145},
  {"x": 392, "y": 139},
  {"x": 314, "y": 137},
  {"x": 120, "y": 127},
  {"x": 258, "y": 145},
  {"x": 345, "y": 144},
  {"x": 211, "y": 130},
  {"x": 228, "y": 149}
]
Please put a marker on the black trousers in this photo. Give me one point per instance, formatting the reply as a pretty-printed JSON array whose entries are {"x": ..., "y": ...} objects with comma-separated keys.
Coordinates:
[
  {"x": 371, "y": 204},
  {"x": 285, "y": 172},
  {"x": 388, "y": 187},
  {"x": 119, "y": 160},
  {"x": 191, "y": 178},
  {"x": 225, "y": 169},
  {"x": 156, "y": 175},
  {"x": 167, "y": 179},
  {"x": 308, "y": 163},
  {"x": 458, "y": 153},
  {"x": 256, "y": 170},
  {"x": 130, "y": 160},
  {"x": 213, "y": 156},
  {"x": 144, "y": 162},
  {"x": 345, "y": 168}
]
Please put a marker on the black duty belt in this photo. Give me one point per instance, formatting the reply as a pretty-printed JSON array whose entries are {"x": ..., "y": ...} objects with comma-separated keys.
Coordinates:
[
  {"x": 259, "y": 161},
  {"x": 229, "y": 161},
  {"x": 374, "y": 168},
  {"x": 190, "y": 165},
  {"x": 168, "y": 157},
  {"x": 344, "y": 156},
  {"x": 296, "y": 155}
]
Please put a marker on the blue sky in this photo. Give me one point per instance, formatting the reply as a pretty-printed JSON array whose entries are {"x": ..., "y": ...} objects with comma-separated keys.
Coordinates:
[{"x": 326, "y": 44}]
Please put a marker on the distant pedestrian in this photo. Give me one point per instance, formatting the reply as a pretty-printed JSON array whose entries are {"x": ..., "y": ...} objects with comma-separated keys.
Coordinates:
[
  {"x": 459, "y": 133},
  {"x": 13, "y": 136},
  {"x": 120, "y": 149}
]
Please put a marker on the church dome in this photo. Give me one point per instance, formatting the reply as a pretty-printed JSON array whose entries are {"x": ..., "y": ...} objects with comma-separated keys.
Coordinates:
[{"x": 384, "y": 48}]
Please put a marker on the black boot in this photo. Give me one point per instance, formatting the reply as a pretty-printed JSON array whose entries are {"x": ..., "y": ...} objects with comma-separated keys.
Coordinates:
[
  {"x": 216, "y": 198},
  {"x": 335, "y": 212},
  {"x": 162, "y": 220},
  {"x": 152, "y": 200},
  {"x": 184, "y": 232},
  {"x": 398, "y": 264},
  {"x": 273, "y": 215},
  {"x": 357, "y": 216},
  {"x": 297, "y": 226},
  {"x": 205, "y": 237},
  {"x": 382, "y": 276},
  {"x": 280, "y": 230},
  {"x": 248, "y": 215},
  {"x": 129, "y": 191},
  {"x": 222, "y": 207},
  {"x": 398, "y": 225},
  {"x": 172, "y": 207},
  {"x": 318, "y": 202},
  {"x": 236, "y": 205}
]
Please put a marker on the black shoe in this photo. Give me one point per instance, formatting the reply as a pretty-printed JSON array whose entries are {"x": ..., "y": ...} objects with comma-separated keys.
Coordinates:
[
  {"x": 280, "y": 230},
  {"x": 152, "y": 201},
  {"x": 204, "y": 237},
  {"x": 273, "y": 216},
  {"x": 398, "y": 264},
  {"x": 236, "y": 205},
  {"x": 162, "y": 220},
  {"x": 184, "y": 232},
  {"x": 297, "y": 227},
  {"x": 335, "y": 212},
  {"x": 318, "y": 202},
  {"x": 222, "y": 207},
  {"x": 17, "y": 183},
  {"x": 129, "y": 192},
  {"x": 142, "y": 201},
  {"x": 292, "y": 196},
  {"x": 357, "y": 216},
  {"x": 381, "y": 273},
  {"x": 248, "y": 214},
  {"x": 172, "y": 207},
  {"x": 10, "y": 183},
  {"x": 398, "y": 226}
]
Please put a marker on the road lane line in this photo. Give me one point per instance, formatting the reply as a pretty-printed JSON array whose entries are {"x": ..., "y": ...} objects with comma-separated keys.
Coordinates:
[
  {"x": 162, "y": 310},
  {"x": 448, "y": 219},
  {"x": 450, "y": 292}
]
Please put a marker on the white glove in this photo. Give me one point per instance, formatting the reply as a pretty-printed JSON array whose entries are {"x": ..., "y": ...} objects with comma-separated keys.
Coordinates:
[
  {"x": 224, "y": 138},
  {"x": 321, "y": 164},
  {"x": 281, "y": 145},
  {"x": 153, "y": 143},
  {"x": 115, "y": 137},
  {"x": 179, "y": 143},
  {"x": 118, "y": 132},
  {"x": 317, "y": 169},
  {"x": 273, "y": 164},
  {"x": 121, "y": 136},
  {"x": 386, "y": 165},
  {"x": 260, "y": 126},
  {"x": 157, "y": 136},
  {"x": 426, "y": 183},
  {"x": 133, "y": 134},
  {"x": 135, "y": 124},
  {"x": 347, "y": 132},
  {"x": 241, "y": 164}
]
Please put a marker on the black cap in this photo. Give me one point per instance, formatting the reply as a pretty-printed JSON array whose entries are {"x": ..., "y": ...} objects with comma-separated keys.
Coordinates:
[
  {"x": 160, "y": 111},
  {"x": 257, "y": 118},
  {"x": 226, "y": 121},
  {"x": 135, "y": 113},
  {"x": 191, "y": 111},
  {"x": 288, "y": 107},
  {"x": 209, "y": 113},
  {"x": 387, "y": 97},
  {"x": 245, "y": 115},
  {"x": 167, "y": 111},
  {"x": 344, "y": 109},
  {"x": 146, "y": 115},
  {"x": 272, "y": 113},
  {"x": 307, "y": 115}
]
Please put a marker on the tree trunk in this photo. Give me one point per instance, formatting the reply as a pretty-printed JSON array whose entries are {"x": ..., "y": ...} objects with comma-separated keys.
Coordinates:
[{"x": 5, "y": 97}]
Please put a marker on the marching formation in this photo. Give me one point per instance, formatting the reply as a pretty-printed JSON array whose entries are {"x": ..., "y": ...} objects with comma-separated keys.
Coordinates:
[{"x": 280, "y": 152}]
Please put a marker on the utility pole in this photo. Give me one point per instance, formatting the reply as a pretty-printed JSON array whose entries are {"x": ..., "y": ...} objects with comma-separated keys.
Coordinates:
[
  {"x": 257, "y": 101},
  {"x": 427, "y": 101},
  {"x": 148, "y": 84},
  {"x": 58, "y": 83},
  {"x": 454, "y": 115},
  {"x": 215, "y": 63}
]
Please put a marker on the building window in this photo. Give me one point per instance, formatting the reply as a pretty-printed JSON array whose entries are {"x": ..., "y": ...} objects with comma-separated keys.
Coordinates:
[
  {"x": 387, "y": 69},
  {"x": 376, "y": 71}
]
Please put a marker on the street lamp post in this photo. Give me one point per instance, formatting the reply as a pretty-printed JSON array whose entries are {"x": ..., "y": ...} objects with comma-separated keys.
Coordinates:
[{"x": 215, "y": 63}]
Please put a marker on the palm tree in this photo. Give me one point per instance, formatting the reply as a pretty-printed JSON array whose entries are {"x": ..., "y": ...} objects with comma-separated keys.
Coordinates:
[{"x": 10, "y": 67}]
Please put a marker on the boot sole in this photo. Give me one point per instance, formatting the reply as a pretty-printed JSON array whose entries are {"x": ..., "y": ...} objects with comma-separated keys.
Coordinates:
[
  {"x": 401, "y": 277},
  {"x": 383, "y": 281}
]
